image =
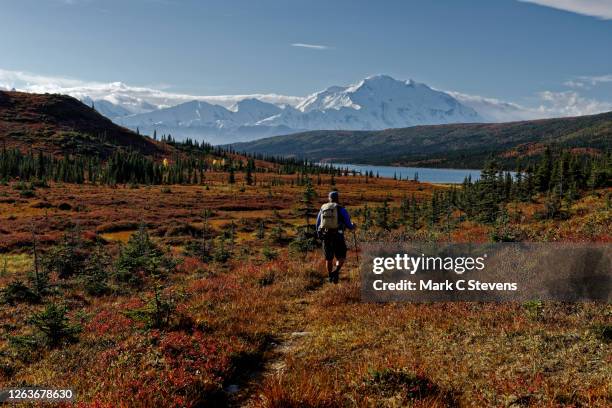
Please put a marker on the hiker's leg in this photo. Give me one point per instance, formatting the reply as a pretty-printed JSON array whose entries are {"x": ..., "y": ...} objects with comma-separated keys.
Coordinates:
[
  {"x": 331, "y": 272},
  {"x": 340, "y": 252},
  {"x": 328, "y": 252},
  {"x": 339, "y": 263},
  {"x": 334, "y": 277}
]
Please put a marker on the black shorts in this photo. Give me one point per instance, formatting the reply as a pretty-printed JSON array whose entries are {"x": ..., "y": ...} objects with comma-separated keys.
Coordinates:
[{"x": 334, "y": 246}]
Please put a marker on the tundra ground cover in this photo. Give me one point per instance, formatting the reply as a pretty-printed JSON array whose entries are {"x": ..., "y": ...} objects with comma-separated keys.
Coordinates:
[{"x": 206, "y": 322}]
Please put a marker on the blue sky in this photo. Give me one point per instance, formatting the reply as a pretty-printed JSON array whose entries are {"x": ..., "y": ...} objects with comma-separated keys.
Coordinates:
[{"x": 506, "y": 49}]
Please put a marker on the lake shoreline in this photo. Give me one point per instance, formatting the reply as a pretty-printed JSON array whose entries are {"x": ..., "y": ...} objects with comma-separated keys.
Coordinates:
[{"x": 431, "y": 175}]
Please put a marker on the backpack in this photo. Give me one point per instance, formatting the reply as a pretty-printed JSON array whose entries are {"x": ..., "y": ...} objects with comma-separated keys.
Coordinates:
[{"x": 329, "y": 216}]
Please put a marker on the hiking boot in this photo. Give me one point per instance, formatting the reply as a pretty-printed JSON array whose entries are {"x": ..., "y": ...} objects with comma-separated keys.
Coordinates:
[
  {"x": 334, "y": 276},
  {"x": 330, "y": 277}
]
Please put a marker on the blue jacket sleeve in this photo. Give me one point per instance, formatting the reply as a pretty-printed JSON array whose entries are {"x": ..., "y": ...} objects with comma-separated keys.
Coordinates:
[
  {"x": 318, "y": 220},
  {"x": 346, "y": 218}
]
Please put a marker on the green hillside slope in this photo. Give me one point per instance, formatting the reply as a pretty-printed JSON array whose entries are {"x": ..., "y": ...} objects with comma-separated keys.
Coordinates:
[{"x": 457, "y": 145}]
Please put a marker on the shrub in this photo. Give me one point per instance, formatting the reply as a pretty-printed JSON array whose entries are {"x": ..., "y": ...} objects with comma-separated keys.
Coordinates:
[
  {"x": 39, "y": 280},
  {"x": 4, "y": 270},
  {"x": 553, "y": 209},
  {"x": 54, "y": 325},
  {"x": 200, "y": 249},
  {"x": 156, "y": 313},
  {"x": 24, "y": 348},
  {"x": 277, "y": 235},
  {"x": 40, "y": 183},
  {"x": 139, "y": 258},
  {"x": 21, "y": 186},
  {"x": 27, "y": 194},
  {"x": 534, "y": 308},
  {"x": 17, "y": 291},
  {"x": 221, "y": 254},
  {"x": 506, "y": 232},
  {"x": 41, "y": 204},
  {"x": 182, "y": 229},
  {"x": 64, "y": 207},
  {"x": 261, "y": 231},
  {"x": 305, "y": 240},
  {"x": 268, "y": 253},
  {"x": 267, "y": 278},
  {"x": 389, "y": 382},
  {"x": 95, "y": 274},
  {"x": 312, "y": 279},
  {"x": 66, "y": 259},
  {"x": 604, "y": 332}
]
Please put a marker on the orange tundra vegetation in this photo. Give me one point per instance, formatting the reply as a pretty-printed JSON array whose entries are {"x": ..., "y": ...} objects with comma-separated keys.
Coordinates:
[{"x": 205, "y": 295}]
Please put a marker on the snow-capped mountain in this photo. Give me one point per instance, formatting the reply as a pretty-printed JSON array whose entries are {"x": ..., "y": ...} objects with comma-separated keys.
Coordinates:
[
  {"x": 106, "y": 108},
  {"x": 391, "y": 95},
  {"x": 116, "y": 99},
  {"x": 249, "y": 111},
  {"x": 188, "y": 114},
  {"x": 377, "y": 102},
  {"x": 204, "y": 121}
]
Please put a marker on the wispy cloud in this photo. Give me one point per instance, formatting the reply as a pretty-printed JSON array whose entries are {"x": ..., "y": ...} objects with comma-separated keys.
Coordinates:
[
  {"x": 496, "y": 110},
  {"x": 73, "y": 2},
  {"x": 587, "y": 82},
  {"x": 597, "y": 79},
  {"x": 311, "y": 46},
  {"x": 550, "y": 104},
  {"x": 570, "y": 103},
  {"x": 595, "y": 8}
]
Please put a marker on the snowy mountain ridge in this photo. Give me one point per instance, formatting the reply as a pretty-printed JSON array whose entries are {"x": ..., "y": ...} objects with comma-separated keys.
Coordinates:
[{"x": 374, "y": 103}]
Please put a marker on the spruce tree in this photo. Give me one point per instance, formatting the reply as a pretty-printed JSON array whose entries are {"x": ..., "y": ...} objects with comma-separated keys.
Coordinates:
[
  {"x": 382, "y": 215},
  {"x": 488, "y": 198}
]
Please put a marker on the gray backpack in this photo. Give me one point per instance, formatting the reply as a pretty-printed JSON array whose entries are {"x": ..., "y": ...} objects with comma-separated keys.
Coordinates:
[{"x": 329, "y": 216}]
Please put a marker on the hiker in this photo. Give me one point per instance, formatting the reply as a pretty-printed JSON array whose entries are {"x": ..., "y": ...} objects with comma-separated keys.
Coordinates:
[{"x": 331, "y": 222}]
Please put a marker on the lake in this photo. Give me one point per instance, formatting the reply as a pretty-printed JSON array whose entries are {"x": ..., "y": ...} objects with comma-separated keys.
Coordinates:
[{"x": 425, "y": 174}]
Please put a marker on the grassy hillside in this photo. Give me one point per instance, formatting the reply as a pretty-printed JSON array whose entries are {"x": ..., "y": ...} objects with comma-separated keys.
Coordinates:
[
  {"x": 56, "y": 137},
  {"x": 60, "y": 124},
  {"x": 250, "y": 321},
  {"x": 458, "y": 145}
]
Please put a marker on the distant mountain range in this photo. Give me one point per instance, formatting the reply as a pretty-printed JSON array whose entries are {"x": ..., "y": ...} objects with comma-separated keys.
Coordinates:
[
  {"x": 451, "y": 145},
  {"x": 377, "y": 102},
  {"x": 61, "y": 125}
]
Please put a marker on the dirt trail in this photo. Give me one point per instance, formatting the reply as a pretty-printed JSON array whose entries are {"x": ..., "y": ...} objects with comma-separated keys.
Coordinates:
[
  {"x": 293, "y": 333},
  {"x": 288, "y": 343}
]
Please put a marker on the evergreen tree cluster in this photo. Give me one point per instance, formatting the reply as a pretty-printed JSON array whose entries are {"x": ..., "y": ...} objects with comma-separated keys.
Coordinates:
[
  {"x": 558, "y": 179},
  {"x": 186, "y": 166}
]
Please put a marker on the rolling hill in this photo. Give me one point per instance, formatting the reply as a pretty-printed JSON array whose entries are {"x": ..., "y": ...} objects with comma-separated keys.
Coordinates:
[
  {"x": 455, "y": 145},
  {"x": 59, "y": 125}
]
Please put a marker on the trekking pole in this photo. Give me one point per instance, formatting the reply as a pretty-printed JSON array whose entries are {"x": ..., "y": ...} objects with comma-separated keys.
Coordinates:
[{"x": 355, "y": 244}]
